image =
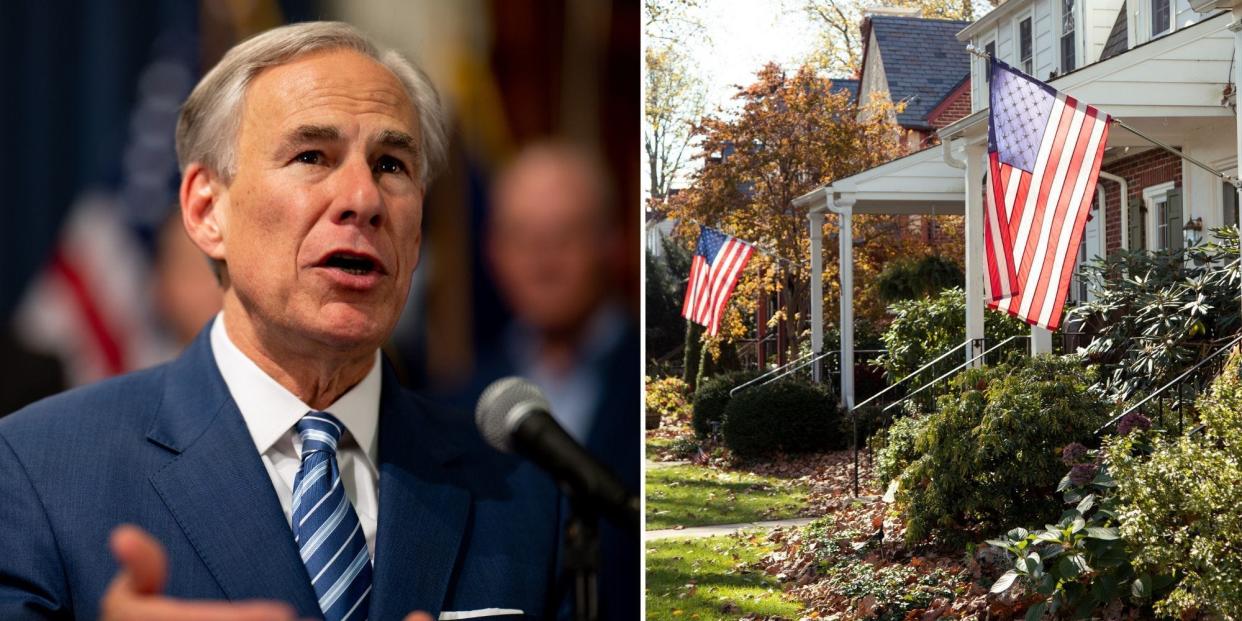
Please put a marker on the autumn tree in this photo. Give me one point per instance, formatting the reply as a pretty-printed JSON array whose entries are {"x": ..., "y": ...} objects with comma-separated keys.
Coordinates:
[
  {"x": 674, "y": 100},
  {"x": 839, "y": 51},
  {"x": 792, "y": 134}
]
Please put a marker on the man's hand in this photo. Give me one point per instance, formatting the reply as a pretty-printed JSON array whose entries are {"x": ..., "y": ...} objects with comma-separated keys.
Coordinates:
[{"x": 134, "y": 594}]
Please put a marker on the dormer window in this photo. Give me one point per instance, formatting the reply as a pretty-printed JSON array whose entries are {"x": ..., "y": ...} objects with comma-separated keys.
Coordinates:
[
  {"x": 1160, "y": 12},
  {"x": 1067, "y": 36}
]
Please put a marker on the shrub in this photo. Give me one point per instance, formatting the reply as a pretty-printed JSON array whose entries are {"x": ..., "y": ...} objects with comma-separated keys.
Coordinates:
[
  {"x": 895, "y": 449},
  {"x": 667, "y": 397},
  {"x": 1177, "y": 502},
  {"x": 907, "y": 279},
  {"x": 784, "y": 416},
  {"x": 991, "y": 453},
  {"x": 1080, "y": 564},
  {"x": 712, "y": 397},
  {"x": 927, "y": 327},
  {"x": 1157, "y": 313}
]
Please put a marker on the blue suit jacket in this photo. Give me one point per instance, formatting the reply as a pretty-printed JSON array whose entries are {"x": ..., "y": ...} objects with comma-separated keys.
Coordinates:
[{"x": 461, "y": 527}]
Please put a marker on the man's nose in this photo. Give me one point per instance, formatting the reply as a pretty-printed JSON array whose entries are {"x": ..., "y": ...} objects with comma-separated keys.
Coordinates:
[{"x": 357, "y": 195}]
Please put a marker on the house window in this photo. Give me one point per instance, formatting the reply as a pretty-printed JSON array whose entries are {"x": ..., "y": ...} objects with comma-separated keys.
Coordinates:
[
  {"x": 1026, "y": 52},
  {"x": 1159, "y": 17},
  {"x": 1164, "y": 216},
  {"x": 1067, "y": 36}
]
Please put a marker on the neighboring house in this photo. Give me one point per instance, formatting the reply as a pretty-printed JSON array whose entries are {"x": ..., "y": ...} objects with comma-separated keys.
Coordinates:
[
  {"x": 921, "y": 64},
  {"x": 1165, "y": 67}
]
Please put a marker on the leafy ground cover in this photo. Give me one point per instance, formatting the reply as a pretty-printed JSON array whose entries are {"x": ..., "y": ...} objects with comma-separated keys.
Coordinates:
[{"x": 713, "y": 578}]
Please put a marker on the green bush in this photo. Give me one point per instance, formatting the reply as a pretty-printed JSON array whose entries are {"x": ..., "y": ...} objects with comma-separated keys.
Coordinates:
[
  {"x": 990, "y": 455},
  {"x": 927, "y": 327},
  {"x": 1178, "y": 507},
  {"x": 784, "y": 416},
  {"x": 894, "y": 447},
  {"x": 1157, "y": 313},
  {"x": 906, "y": 279},
  {"x": 712, "y": 397}
]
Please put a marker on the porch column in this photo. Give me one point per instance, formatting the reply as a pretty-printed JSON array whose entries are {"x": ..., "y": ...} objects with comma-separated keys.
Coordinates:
[
  {"x": 844, "y": 208},
  {"x": 975, "y": 263},
  {"x": 816, "y": 219},
  {"x": 1041, "y": 341}
]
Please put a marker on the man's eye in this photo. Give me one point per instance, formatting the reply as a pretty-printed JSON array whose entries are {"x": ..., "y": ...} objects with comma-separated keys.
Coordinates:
[
  {"x": 310, "y": 157},
  {"x": 389, "y": 164}
]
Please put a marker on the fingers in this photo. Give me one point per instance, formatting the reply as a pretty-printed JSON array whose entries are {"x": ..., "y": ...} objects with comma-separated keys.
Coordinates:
[
  {"x": 168, "y": 609},
  {"x": 144, "y": 566},
  {"x": 418, "y": 616},
  {"x": 134, "y": 594}
]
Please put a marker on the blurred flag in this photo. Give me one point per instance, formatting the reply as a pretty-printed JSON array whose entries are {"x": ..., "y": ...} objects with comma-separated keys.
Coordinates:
[
  {"x": 1044, "y": 154},
  {"x": 715, "y": 269}
]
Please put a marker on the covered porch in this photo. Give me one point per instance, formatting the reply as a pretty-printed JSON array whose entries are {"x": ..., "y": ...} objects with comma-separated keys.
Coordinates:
[{"x": 1174, "y": 89}]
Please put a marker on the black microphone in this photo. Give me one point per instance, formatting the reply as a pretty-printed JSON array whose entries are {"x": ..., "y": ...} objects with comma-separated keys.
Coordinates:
[{"x": 514, "y": 417}]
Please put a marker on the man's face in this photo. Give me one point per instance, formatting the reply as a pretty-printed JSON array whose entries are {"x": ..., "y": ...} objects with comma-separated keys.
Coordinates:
[
  {"x": 547, "y": 245},
  {"x": 321, "y": 223}
]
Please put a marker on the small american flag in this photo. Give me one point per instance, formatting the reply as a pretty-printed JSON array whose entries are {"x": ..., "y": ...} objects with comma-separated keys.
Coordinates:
[
  {"x": 1044, "y": 154},
  {"x": 714, "y": 272}
]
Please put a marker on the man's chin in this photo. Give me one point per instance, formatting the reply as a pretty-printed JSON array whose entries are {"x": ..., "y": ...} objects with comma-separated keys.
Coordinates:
[{"x": 346, "y": 327}]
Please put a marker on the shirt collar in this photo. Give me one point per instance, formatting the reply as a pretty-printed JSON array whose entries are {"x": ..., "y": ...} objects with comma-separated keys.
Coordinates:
[{"x": 270, "y": 410}]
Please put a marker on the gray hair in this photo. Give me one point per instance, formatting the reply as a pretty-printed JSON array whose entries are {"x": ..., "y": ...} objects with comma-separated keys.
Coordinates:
[{"x": 208, "y": 126}]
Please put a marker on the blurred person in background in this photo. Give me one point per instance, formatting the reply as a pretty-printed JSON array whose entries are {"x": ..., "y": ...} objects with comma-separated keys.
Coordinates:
[
  {"x": 187, "y": 294},
  {"x": 554, "y": 247}
]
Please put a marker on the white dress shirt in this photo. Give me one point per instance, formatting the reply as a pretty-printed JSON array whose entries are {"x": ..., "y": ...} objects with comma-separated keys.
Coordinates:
[{"x": 271, "y": 411}]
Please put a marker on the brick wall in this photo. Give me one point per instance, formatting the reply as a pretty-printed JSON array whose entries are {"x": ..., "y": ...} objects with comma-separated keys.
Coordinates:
[
  {"x": 1141, "y": 170},
  {"x": 955, "y": 106}
]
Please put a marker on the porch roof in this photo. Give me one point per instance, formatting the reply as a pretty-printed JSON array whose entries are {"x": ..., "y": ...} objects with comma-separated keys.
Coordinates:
[{"x": 919, "y": 183}]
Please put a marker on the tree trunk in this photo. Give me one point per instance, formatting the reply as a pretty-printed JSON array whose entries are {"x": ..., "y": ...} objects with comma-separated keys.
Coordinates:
[{"x": 690, "y": 370}]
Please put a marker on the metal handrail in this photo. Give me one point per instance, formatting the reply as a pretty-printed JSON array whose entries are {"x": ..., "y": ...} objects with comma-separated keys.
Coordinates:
[
  {"x": 912, "y": 374},
  {"x": 783, "y": 371},
  {"x": 1223, "y": 348},
  {"x": 772, "y": 372},
  {"x": 956, "y": 369}
]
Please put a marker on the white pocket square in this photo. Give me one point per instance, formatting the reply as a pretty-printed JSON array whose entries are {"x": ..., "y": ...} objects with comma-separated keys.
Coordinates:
[{"x": 449, "y": 615}]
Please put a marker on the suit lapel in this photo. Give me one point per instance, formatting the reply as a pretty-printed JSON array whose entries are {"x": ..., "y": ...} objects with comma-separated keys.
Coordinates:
[
  {"x": 218, "y": 490},
  {"x": 422, "y": 514}
]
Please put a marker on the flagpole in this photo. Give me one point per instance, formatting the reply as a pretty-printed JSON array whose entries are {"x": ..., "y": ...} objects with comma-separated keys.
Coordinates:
[{"x": 1234, "y": 181}]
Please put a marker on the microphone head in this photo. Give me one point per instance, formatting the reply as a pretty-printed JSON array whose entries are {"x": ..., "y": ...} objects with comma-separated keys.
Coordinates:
[{"x": 503, "y": 406}]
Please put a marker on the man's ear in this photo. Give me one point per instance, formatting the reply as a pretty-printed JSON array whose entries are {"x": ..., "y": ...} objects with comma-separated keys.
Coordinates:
[{"x": 203, "y": 202}]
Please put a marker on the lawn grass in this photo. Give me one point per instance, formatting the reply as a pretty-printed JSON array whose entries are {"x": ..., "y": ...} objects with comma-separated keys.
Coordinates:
[
  {"x": 707, "y": 578},
  {"x": 699, "y": 495}
]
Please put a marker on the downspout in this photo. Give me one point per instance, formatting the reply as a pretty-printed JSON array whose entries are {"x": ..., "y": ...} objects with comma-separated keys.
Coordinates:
[
  {"x": 947, "y": 153},
  {"x": 1124, "y": 208}
]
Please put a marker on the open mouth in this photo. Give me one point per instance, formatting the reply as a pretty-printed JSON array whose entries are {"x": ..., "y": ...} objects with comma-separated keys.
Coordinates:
[{"x": 357, "y": 265}]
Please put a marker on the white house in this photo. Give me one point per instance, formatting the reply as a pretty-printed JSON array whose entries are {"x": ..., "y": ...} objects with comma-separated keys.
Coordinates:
[{"x": 1165, "y": 67}]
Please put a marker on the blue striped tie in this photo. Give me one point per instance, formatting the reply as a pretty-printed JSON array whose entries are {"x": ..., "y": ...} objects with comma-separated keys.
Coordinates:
[{"x": 325, "y": 526}]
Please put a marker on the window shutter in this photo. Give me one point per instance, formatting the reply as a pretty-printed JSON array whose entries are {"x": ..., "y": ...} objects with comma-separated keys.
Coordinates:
[
  {"x": 1136, "y": 228},
  {"x": 1174, "y": 213},
  {"x": 1230, "y": 203}
]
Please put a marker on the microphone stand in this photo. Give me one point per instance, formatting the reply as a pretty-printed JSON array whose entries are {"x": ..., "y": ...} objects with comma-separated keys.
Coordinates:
[{"x": 581, "y": 561}]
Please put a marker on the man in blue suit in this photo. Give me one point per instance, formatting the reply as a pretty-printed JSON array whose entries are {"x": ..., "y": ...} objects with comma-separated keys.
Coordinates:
[{"x": 278, "y": 459}]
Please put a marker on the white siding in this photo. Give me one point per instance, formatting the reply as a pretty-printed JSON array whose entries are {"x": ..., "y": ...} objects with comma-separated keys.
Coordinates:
[
  {"x": 1045, "y": 55},
  {"x": 978, "y": 70}
]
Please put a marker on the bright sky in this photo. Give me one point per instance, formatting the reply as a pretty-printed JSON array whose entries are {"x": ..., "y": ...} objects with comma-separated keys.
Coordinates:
[{"x": 744, "y": 35}]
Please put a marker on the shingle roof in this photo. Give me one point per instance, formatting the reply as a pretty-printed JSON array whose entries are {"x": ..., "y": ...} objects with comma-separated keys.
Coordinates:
[
  {"x": 850, "y": 86},
  {"x": 1116, "y": 43},
  {"x": 923, "y": 61}
]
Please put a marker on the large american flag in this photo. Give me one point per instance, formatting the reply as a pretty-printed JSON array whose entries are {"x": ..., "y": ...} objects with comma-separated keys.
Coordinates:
[
  {"x": 1044, "y": 153},
  {"x": 714, "y": 272}
]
